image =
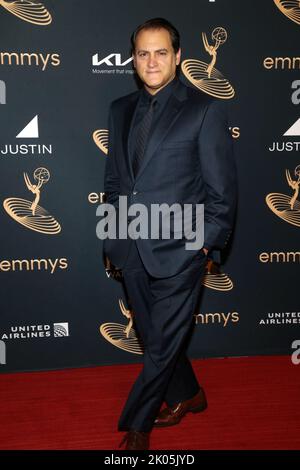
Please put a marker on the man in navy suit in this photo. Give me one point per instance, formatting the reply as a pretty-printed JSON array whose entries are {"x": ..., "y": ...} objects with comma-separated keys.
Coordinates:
[{"x": 168, "y": 144}]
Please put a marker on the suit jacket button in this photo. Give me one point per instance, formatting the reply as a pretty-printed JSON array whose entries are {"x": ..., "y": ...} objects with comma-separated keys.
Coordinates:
[{"x": 134, "y": 193}]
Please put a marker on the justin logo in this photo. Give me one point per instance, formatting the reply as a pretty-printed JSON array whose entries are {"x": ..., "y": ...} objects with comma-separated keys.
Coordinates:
[
  {"x": 121, "y": 336},
  {"x": 205, "y": 76},
  {"x": 290, "y": 8},
  {"x": 31, "y": 130},
  {"x": 294, "y": 130},
  {"x": 214, "y": 279},
  {"x": 29, "y": 11},
  {"x": 287, "y": 207},
  {"x": 100, "y": 138},
  {"x": 290, "y": 145},
  {"x": 29, "y": 213}
]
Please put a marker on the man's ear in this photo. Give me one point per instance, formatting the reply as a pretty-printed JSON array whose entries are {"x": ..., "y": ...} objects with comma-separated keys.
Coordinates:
[
  {"x": 178, "y": 56},
  {"x": 133, "y": 56}
]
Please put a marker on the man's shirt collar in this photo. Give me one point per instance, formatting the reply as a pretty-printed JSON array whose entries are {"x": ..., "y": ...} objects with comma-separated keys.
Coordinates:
[{"x": 162, "y": 95}]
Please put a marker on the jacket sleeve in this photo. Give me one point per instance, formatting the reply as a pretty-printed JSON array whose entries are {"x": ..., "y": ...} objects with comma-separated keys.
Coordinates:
[
  {"x": 215, "y": 146},
  {"x": 111, "y": 175}
]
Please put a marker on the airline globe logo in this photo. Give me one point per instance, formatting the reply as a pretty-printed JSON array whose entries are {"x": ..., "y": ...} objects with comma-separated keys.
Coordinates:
[
  {"x": 205, "y": 76},
  {"x": 32, "y": 12},
  {"x": 290, "y": 8},
  {"x": 60, "y": 329}
]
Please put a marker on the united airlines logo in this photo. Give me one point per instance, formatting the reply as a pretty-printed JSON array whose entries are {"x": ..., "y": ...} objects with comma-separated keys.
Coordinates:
[
  {"x": 290, "y": 8},
  {"x": 60, "y": 329},
  {"x": 29, "y": 11},
  {"x": 204, "y": 75}
]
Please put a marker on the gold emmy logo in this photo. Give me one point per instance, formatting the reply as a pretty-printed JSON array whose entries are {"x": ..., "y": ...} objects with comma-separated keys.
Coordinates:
[
  {"x": 101, "y": 140},
  {"x": 30, "y": 214},
  {"x": 287, "y": 207},
  {"x": 205, "y": 76},
  {"x": 122, "y": 336},
  {"x": 290, "y": 8},
  {"x": 28, "y": 11},
  {"x": 214, "y": 279}
]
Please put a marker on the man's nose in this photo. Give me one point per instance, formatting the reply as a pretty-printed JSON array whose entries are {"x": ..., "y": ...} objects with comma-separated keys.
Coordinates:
[{"x": 152, "y": 61}]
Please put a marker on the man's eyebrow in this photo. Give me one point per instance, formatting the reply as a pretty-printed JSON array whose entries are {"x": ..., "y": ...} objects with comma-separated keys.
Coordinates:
[{"x": 157, "y": 50}]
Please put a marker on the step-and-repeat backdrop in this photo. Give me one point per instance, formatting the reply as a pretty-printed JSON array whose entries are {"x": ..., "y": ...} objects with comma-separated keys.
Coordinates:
[{"x": 61, "y": 64}]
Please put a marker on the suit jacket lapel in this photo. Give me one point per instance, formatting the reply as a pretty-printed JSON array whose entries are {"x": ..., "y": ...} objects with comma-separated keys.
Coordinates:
[{"x": 127, "y": 129}]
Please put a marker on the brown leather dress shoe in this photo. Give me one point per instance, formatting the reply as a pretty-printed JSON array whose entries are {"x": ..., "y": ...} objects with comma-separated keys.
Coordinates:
[
  {"x": 136, "y": 440},
  {"x": 171, "y": 416}
]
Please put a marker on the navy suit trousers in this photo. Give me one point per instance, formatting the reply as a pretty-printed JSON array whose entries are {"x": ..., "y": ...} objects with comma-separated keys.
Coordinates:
[{"x": 163, "y": 312}]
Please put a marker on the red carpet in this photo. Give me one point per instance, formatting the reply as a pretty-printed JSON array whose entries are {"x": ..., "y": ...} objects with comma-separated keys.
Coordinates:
[{"x": 253, "y": 403}]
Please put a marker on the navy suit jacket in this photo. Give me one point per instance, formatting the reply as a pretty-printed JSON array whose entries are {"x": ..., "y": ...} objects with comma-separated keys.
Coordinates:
[{"x": 189, "y": 160}]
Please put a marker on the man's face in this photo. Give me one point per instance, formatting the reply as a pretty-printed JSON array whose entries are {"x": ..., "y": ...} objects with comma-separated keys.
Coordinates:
[{"x": 154, "y": 58}]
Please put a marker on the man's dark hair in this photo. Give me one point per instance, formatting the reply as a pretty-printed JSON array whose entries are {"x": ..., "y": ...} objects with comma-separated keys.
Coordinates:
[{"x": 158, "y": 23}]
